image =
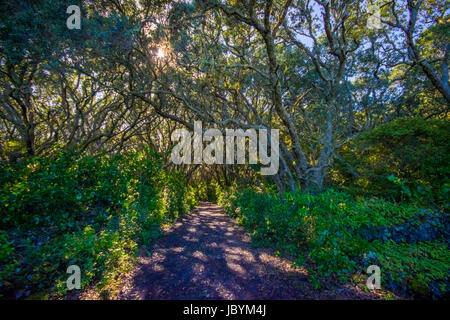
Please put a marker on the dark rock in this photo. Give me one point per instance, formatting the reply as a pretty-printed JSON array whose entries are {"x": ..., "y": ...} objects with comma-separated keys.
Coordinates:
[{"x": 427, "y": 226}]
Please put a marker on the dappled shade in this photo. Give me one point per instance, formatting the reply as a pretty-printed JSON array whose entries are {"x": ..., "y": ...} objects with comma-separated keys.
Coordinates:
[{"x": 206, "y": 255}]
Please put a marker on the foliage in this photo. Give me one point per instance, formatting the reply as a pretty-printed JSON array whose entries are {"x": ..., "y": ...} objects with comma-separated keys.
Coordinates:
[
  {"x": 179, "y": 198},
  {"x": 406, "y": 159},
  {"x": 421, "y": 268},
  {"x": 90, "y": 211},
  {"x": 326, "y": 232},
  {"x": 363, "y": 110}
]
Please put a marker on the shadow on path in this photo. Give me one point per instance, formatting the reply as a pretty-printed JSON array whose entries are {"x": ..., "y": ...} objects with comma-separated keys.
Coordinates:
[{"x": 206, "y": 255}]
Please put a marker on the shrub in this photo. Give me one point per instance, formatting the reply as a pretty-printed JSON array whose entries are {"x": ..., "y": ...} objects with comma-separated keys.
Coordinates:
[
  {"x": 420, "y": 267},
  {"x": 406, "y": 159},
  {"x": 178, "y": 196},
  {"x": 326, "y": 232},
  {"x": 92, "y": 211}
]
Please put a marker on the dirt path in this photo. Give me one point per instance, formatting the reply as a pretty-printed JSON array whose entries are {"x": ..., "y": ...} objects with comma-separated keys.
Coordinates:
[{"x": 206, "y": 255}]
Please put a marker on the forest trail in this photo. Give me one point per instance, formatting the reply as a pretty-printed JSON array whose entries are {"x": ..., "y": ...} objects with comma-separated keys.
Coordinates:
[{"x": 206, "y": 255}]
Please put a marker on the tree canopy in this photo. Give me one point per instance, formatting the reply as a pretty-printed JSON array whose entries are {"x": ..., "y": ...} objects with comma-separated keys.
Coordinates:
[{"x": 136, "y": 70}]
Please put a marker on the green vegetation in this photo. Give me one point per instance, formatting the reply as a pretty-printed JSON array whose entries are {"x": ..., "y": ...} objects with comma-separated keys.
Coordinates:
[
  {"x": 406, "y": 159},
  {"x": 327, "y": 233},
  {"x": 388, "y": 208},
  {"x": 92, "y": 211},
  {"x": 87, "y": 116}
]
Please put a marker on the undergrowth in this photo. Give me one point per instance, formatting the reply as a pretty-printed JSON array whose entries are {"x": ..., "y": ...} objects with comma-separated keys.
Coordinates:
[{"x": 90, "y": 211}]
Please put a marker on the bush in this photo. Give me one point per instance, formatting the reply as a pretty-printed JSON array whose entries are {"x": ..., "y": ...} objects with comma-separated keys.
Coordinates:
[
  {"x": 178, "y": 196},
  {"x": 90, "y": 211},
  {"x": 327, "y": 232},
  {"x": 422, "y": 268},
  {"x": 406, "y": 159}
]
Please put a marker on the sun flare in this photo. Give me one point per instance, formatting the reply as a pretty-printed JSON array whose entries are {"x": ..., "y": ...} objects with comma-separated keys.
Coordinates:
[{"x": 160, "y": 53}]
